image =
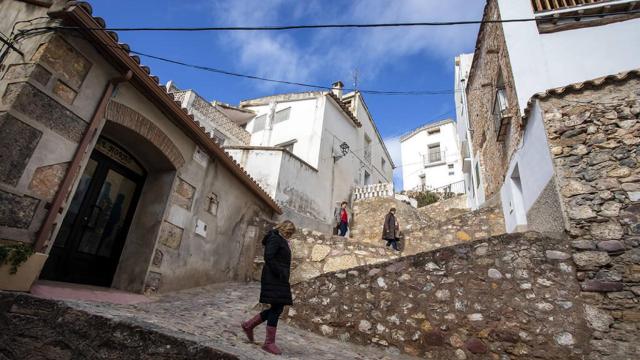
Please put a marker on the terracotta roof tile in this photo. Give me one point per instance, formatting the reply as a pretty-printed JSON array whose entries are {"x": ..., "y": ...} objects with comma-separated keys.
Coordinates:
[
  {"x": 236, "y": 168},
  {"x": 581, "y": 86}
]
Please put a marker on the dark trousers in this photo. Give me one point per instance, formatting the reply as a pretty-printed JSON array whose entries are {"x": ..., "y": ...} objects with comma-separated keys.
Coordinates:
[
  {"x": 272, "y": 314},
  {"x": 393, "y": 243},
  {"x": 343, "y": 228}
]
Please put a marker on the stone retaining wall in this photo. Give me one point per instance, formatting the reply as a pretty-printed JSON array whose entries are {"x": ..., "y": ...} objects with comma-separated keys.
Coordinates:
[
  {"x": 426, "y": 228},
  {"x": 507, "y": 297},
  {"x": 314, "y": 253},
  {"x": 595, "y": 144}
]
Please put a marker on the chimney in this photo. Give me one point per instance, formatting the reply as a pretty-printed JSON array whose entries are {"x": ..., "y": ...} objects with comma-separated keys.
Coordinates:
[{"x": 336, "y": 88}]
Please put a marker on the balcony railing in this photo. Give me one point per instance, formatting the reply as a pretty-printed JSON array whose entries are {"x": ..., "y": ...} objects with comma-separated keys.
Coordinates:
[
  {"x": 552, "y": 5},
  {"x": 372, "y": 191}
]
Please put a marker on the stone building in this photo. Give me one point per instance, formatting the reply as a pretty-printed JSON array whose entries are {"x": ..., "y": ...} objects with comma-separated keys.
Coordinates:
[
  {"x": 514, "y": 61},
  {"x": 311, "y": 150},
  {"x": 109, "y": 178}
]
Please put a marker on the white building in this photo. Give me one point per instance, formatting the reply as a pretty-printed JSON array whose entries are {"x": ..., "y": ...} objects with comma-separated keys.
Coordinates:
[
  {"x": 470, "y": 163},
  {"x": 431, "y": 158},
  {"x": 310, "y": 151},
  {"x": 572, "y": 42}
]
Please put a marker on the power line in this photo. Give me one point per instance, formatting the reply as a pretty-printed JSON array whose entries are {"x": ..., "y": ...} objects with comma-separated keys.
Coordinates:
[{"x": 352, "y": 26}]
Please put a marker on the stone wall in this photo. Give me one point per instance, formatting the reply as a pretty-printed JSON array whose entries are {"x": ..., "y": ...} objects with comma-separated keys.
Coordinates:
[
  {"x": 314, "y": 253},
  {"x": 426, "y": 228},
  {"x": 595, "y": 143},
  {"x": 35, "y": 328},
  {"x": 446, "y": 208},
  {"x": 507, "y": 297},
  {"x": 490, "y": 60}
]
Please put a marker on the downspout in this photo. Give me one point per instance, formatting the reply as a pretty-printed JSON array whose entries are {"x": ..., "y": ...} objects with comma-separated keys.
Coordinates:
[{"x": 98, "y": 119}]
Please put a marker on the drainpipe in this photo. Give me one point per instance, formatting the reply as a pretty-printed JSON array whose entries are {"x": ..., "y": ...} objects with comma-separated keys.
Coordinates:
[{"x": 44, "y": 236}]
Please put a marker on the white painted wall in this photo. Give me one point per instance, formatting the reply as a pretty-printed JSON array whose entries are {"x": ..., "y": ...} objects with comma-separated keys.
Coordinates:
[
  {"x": 461, "y": 71},
  {"x": 543, "y": 61},
  {"x": 535, "y": 166},
  {"x": 415, "y": 147},
  {"x": 319, "y": 125},
  {"x": 304, "y": 125}
]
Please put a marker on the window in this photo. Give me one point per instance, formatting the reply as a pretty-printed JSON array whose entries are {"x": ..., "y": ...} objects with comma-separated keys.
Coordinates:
[
  {"x": 451, "y": 173},
  {"x": 367, "y": 178},
  {"x": 259, "y": 123},
  {"x": 288, "y": 145},
  {"x": 367, "y": 148},
  {"x": 500, "y": 108},
  {"x": 219, "y": 137},
  {"x": 383, "y": 163},
  {"x": 282, "y": 115},
  {"x": 477, "y": 174},
  {"x": 450, "y": 166},
  {"x": 433, "y": 131},
  {"x": 434, "y": 155}
]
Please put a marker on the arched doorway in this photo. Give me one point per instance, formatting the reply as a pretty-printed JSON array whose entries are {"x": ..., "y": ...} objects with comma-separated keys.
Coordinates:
[{"x": 90, "y": 241}]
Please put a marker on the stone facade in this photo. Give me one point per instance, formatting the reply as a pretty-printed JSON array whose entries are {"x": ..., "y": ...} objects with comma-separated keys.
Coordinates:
[
  {"x": 594, "y": 137},
  {"x": 505, "y": 297},
  {"x": 492, "y": 145}
]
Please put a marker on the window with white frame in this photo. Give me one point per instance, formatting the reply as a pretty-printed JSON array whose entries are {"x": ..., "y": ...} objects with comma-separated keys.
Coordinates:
[
  {"x": 367, "y": 148},
  {"x": 259, "y": 123},
  {"x": 434, "y": 154},
  {"x": 282, "y": 115},
  {"x": 500, "y": 107}
]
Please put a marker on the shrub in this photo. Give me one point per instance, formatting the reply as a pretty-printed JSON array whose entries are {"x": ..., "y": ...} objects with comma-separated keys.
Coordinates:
[
  {"x": 425, "y": 198},
  {"x": 15, "y": 255}
]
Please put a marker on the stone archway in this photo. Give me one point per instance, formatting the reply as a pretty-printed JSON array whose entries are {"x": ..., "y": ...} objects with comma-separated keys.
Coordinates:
[
  {"x": 123, "y": 115},
  {"x": 161, "y": 159}
]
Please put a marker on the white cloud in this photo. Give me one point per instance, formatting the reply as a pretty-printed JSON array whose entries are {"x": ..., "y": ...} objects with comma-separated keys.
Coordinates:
[{"x": 329, "y": 54}]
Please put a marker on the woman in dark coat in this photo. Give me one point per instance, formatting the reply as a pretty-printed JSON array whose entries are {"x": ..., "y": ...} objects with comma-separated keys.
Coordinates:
[
  {"x": 274, "y": 284},
  {"x": 391, "y": 229}
]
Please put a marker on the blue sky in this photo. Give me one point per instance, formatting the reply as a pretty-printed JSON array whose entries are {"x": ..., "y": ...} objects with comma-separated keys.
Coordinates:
[{"x": 386, "y": 59}]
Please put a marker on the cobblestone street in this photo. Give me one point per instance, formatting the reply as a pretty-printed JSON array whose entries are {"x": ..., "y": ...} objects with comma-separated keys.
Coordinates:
[{"x": 210, "y": 316}]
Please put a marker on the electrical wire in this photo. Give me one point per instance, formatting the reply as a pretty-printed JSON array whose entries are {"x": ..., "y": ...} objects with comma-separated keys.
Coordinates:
[{"x": 352, "y": 26}]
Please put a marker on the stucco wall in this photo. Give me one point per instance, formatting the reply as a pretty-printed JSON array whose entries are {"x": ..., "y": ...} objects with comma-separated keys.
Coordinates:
[
  {"x": 415, "y": 147},
  {"x": 534, "y": 169},
  {"x": 543, "y": 61},
  {"x": 46, "y": 104}
]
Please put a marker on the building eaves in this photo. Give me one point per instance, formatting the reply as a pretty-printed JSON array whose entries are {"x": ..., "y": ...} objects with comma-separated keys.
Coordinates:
[
  {"x": 373, "y": 123},
  {"x": 578, "y": 87},
  {"x": 106, "y": 42},
  {"x": 426, "y": 127},
  {"x": 344, "y": 108},
  {"x": 265, "y": 100}
]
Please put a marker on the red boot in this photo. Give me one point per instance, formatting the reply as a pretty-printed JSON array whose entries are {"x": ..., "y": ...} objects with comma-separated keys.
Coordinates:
[
  {"x": 248, "y": 326},
  {"x": 270, "y": 341}
]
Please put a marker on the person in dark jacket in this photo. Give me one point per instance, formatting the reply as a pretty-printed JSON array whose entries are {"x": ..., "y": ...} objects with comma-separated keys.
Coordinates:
[
  {"x": 274, "y": 284},
  {"x": 391, "y": 229}
]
